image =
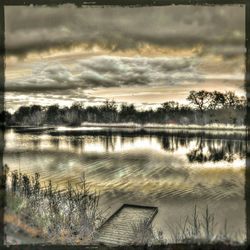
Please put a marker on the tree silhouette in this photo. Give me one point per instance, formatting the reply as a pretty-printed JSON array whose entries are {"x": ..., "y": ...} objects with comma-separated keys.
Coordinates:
[
  {"x": 128, "y": 113},
  {"x": 207, "y": 107},
  {"x": 200, "y": 99},
  {"x": 52, "y": 114},
  {"x": 231, "y": 100},
  {"x": 216, "y": 100},
  {"x": 170, "y": 106}
]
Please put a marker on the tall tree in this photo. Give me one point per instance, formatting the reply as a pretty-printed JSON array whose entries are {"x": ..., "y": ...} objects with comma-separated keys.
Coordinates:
[
  {"x": 231, "y": 100},
  {"x": 170, "y": 106},
  {"x": 21, "y": 116},
  {"x": 216, "y": 100},
  {"x": 52, "y": 114},
  {"x": 36, "y": 115},
  {"x": 127, "y": 113},
  {"x": 200, "y": 99},
  {"x": 109, "y": 111}
]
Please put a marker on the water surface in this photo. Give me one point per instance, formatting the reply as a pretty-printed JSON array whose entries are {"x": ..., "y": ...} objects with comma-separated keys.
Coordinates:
[{"x": 170, "y": 169}]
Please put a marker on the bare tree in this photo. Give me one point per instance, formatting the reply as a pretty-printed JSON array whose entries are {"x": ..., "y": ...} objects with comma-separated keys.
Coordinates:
[
  {"x": 217, "y": 100},
  {"x": 231, "y": 100},
  {"x": 200, "y": 99}
]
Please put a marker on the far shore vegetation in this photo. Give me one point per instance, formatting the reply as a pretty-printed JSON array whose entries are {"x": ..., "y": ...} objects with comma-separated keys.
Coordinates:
[
  {"x": 204, "y": 108},
  {"x": 72, "y": 216}
]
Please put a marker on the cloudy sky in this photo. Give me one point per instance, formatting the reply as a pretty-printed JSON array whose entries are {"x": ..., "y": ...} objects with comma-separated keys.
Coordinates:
[{"x": 144, "y": 56}]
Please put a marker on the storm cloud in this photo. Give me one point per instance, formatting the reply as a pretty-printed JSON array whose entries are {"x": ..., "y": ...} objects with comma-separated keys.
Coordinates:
[
  {"x": 107, "y": 71},
  {"x": 42, "y": 28},
  {"x": 115, "y": 71},
  {"x": 44, "y": 77},
  {"x": 143, "y": 56}
]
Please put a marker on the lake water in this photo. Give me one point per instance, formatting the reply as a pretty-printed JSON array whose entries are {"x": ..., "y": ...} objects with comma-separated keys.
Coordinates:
[{"x": 168, "y": 169}]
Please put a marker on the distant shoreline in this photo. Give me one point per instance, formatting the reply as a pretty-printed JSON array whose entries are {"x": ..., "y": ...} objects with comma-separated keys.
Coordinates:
[
  {"x": 213, "y": 127},
  {"x": 166, "y": 126}
]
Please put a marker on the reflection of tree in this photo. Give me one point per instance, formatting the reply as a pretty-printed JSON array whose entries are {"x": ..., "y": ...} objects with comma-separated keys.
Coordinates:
[
  {"x": 76, "y": 142},
  {"x": 109, "y": 142},
  {"x": 166, "y": 144},
  {"x": 212, "y": 154},
  {"x": 206, "y": 149},
  {"x": 36, "y": 142},
  {"x": 172, "y": 142},
  {"x": 198, "y": 153},
  {"x": 55, "y": 142},
  {"x": 183, "y": 142},
  {"x": 225, "y": 151}
]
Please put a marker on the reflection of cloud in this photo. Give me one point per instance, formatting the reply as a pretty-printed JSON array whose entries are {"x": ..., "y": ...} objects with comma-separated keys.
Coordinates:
[
  {"x": 151, "y": 164},
  {"x": 149, "y": 173}
]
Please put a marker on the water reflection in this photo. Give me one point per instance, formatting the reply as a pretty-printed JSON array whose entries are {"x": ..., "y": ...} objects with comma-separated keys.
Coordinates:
[
  {"x": 224, "y": 150},
  {"x": 199, "y": 147},
  {"x": 138, "y": 166},
  {"x": 118, "y": 155}
]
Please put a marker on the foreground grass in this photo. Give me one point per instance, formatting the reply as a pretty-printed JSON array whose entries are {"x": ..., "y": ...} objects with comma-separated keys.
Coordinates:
[
  {"x": 200, "y": 227},
  {"x": 68, "y": 216},
  {"x": 72, "y": 216},
  {"x": 196, "y": 228}
]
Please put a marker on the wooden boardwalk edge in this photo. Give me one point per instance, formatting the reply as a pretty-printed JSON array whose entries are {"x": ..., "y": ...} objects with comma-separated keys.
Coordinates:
[{"x": 117, "y": 229}]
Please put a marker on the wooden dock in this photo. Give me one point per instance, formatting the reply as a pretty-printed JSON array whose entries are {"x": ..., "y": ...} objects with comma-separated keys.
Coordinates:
[{"x": 118, "y": 229}]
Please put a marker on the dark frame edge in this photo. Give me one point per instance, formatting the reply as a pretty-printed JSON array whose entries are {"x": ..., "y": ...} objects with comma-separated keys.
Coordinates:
[
  {"x": 247, "y": 119},
  {"x": 132, "y": 3},
  {"x": 2, "y": 81},
  {"x": 135, "y": 3}
]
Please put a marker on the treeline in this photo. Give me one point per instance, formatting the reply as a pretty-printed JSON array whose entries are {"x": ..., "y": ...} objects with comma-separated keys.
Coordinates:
[{"x": 204, "y": 108}]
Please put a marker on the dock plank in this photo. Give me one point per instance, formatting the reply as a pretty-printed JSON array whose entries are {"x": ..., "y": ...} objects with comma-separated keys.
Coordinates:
[{"x": 118, "y": 229}]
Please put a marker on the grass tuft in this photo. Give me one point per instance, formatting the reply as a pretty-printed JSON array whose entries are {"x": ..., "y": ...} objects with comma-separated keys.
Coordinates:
[{"x": 68, "y": 216}]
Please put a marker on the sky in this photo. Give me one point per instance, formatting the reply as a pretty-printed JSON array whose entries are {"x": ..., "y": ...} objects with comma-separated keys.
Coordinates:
[{"x": 145, "y": 55}]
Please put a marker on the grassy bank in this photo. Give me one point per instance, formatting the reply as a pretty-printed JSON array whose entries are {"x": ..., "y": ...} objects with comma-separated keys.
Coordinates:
[
  {"x": 200, "y": 227},
  {"x": 89, "y": 125},
  {"x": 214, "y": 126},
  {"x": 73, "y": 216},
  {"x": 69, "y": 216}
]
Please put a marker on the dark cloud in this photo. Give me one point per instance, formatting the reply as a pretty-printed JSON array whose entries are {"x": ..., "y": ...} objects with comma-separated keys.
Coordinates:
[
  {"x": 42, "y": 28},
  {"x": 45, "y": 77},
  {"x": 107, "y": 71},
  {"x": 115, "y": 71}
]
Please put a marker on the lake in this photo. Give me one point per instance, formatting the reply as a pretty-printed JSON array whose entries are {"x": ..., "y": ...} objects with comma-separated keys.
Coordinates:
[{"x": 171, "y": 169}]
